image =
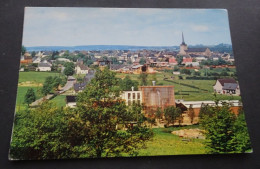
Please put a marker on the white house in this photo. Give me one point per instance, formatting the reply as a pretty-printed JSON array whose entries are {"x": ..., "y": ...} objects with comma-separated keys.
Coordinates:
[
  {"x": 44, "y": 67},
  {"x": 227, "y": 86},
  {"x": 81, "y": 69},
  {"x": 63, "y": 60},
  {"x": 132, "y": 96}
]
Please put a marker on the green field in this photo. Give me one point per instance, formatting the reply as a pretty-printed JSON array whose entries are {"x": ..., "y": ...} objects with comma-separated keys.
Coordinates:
[
  {"x": 165, "y": 143},
  {"x": 59, "y": 100},
  {"x": 38, "y": 77},
  {"x": 189, "y": 90}
]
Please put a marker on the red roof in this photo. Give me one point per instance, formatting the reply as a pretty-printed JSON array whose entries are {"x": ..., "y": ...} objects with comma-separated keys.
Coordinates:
[
  {"x": 187, "y": 60},
  {"x": 172, "y": 60}
]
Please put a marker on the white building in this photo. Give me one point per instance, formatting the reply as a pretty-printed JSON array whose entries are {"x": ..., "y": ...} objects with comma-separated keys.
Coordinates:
[
  {"x": 81, "y": 69},
  {"x": 132, "y": 96},
  {"x": 44, "y": 67},
  {"x": 227, "y": 86}
]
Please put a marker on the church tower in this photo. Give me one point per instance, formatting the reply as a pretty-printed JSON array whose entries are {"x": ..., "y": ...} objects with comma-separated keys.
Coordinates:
[{"x": 183, "y": 46}]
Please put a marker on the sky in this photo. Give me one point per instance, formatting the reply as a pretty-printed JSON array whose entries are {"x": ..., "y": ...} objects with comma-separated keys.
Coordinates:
[{"x": 63, "y": 26}]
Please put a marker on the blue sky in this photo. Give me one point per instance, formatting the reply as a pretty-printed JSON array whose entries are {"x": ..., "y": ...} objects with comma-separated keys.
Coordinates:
[{"x": 60, "y": 26}]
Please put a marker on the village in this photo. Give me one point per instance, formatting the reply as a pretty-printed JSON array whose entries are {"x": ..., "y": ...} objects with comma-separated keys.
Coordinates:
[{"x": 187, "y": 78}]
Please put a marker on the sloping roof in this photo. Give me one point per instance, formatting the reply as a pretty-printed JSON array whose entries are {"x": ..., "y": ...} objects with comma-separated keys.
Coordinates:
[
  {"x": 137, "y": 66},
  {"x": 44, "y": 65},
  {"x": 70, "y": 99},
  {"x": 80, "y": 86},
  {"x": 223, "y": 81},
  {"x": 196, "y": 50},
  {"x": 116, "y": 66},
  {"x": 230, "y": 86}
]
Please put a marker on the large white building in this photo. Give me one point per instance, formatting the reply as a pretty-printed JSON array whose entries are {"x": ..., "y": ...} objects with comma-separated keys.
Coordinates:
[{"x": 132, "y": 96}]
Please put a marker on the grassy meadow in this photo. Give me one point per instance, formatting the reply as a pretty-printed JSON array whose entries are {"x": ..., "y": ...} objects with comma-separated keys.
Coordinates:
[{"x": 165, "y": 143}]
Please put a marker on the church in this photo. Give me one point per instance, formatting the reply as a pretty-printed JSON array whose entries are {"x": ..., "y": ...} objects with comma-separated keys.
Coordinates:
[{"x": 193, "y": 52}]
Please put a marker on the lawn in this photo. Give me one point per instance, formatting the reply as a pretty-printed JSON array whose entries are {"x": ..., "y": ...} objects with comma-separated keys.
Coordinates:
[
  {"x": 165, "y": 143},
  {"x": 38, "y": 77},
  {"x": 59, "y": 100},
  {"x": 189, "y": 90},
  {"x": 21, "y": 91}
]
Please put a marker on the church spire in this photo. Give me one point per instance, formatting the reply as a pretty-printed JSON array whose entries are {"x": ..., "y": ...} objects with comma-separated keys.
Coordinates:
[
  {"x": 182, "y": 38},
  {"x": 183, "y": 43}
]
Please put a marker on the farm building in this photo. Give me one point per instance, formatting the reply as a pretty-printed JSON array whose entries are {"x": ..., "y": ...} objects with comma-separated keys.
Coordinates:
[{"x": 227, "y": 86}]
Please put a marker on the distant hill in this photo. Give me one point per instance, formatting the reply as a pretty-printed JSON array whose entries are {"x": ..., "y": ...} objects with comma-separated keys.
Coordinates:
[
  {"x": 216, "y": 48},
  {"x": 100, "y": 47}
]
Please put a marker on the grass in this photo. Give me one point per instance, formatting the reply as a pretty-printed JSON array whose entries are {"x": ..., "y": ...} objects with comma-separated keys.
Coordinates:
[
  {"x": 189, "y": 90},
  {"x": 165, "y": 143},
  {"x": 38, "y": 77},
  {"x": 21, "y": 91},
  {"x": 59, "y": 100}
]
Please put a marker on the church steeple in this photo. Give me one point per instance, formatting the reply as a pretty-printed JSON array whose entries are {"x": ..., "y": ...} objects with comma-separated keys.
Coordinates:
[{"x": 183, "y": 43}]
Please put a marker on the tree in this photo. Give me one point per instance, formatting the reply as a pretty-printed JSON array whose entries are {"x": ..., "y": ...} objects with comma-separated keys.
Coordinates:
[
  {"x": 47, "y": 85},
  {"x": 69, "y": 69},
  {"x": 143, "y": 79},
  {"x": 191, "y": 114},
  {"x": 40, "y": 134},
  {"x": 159, "y": 113},
  {"x": 185, "y": 71},
  {"x": 142, "y": 61},
  {"x": 225, "y": 133},
  {"x": 23, "y": 50},
  {"x": 126, "y": 84},
  {"x": 171, "y": 114},
  {"x": 179, "y": 59},
  {"x": 197, "y": 73},
  {"x": 101, "y": 110},
  {"x": 29, "y": 96}
]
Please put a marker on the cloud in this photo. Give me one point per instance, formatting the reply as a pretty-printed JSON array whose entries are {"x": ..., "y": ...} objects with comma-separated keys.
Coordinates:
[{"x": 200, "y": 28}]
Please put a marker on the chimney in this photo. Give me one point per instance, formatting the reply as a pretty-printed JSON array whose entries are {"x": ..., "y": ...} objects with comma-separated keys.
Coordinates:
[
  {"x": 132, "y": 88},
  {"x": 153, "y": 83}
]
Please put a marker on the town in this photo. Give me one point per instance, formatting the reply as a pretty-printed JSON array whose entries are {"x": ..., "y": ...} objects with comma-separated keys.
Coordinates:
[{"x": 185, "y": 78}]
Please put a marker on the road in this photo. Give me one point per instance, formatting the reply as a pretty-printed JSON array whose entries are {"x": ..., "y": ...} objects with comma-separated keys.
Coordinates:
[{"x": 70, "y": 82}]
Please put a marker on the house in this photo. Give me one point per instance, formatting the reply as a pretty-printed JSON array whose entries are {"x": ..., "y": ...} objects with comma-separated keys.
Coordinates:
[
  {"x": 44, "y": 67},
  {"x": 26, "y": 58},
  {"x": 63, "y": 60},
  {"x": 225, "y": 56},
  {"x": 36, "y": 59},
  {"x": 117, "y": 67},
  {"x": 79, "y": 87},
  {"x": 227, "y": 86},
  {"x": 193, "y": 64},
  {"x": 132, "y": 96},
  {"x": 81, "y": 69},
  {"x": 187, "y": 61},
  {"x": 172, "y": 61},
  {"x": 71, "y": 101}
]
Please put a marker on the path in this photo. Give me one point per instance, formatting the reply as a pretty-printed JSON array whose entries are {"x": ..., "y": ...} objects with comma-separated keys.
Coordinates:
[
  {"x": 70, "y": 82},
  {"x": 37, "y": 102}
]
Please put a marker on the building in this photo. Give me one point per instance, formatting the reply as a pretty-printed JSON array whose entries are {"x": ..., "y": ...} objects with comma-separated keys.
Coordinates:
[
  {"x": 172, "y": 61},
  {"x": 81, "y": 69},
  {"x": 132, "y": 96},
  {"x": 227, "y": 86},
  {"x": 71, "y": 101},
  {"x": 44, "y": 67},
  {"x": 184, "y": 50},
  {"x": 154, "y": 97}
]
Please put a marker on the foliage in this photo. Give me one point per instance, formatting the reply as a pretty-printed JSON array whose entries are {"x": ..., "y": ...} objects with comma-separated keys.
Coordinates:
[
  {"x": 185, "y": 71},
  {"x": 101, "y": 111},
  {"x": 179, "y": 59},
  {"x": 126, "y": 84},
  {"x": 191, "y": 113},
  {"x": 69, "y": 69},
  {"x": 23, "y": 50},
  {"x": 159, "y": 113},
  {"x": 29, "y": 96},
  {"x": 171, "y": 114},
  {"x": 196, "y": 73},
  {"x": 176, "y": 68},
  {"x": 142, "y": 61},
  {"x": 51, "y": 84},
  {"x": 38, "y": 134},
  {"x": 143, "y": 79},
  {"x": 225, "y": 133}
]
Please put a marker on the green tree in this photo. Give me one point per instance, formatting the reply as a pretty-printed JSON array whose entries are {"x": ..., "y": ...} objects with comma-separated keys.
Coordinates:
[
  {"x": 47, "y": 85},
  {"x": 143, "y": 79},
  {"x": 225, "y": 133},
  {"x": 126, "y": 84},
  {"x": 23, "y": 50},
  {"x": 142, "y": 61},
  {"x": 40, "y": 134},
  {"x": 191, "y": 114},
  {"x": 69, "y": 69},
  {"x": 159, "y": 113},
  {"x": 179, "y": 59},
  {"x": 171, "y": 114},
  {"x": 29, "y": 96},
  {"x": 101, "y": 111}
]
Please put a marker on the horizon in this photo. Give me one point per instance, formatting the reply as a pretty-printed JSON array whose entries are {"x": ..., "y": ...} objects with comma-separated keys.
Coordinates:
[{"x": 74, "y": 26}]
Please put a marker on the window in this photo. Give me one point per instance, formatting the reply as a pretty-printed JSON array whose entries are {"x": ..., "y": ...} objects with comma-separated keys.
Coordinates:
[
  {"x": 138, "y": 96},
  {"x": 133, "y": 96},
  {"x": 129, "y": 96}
]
